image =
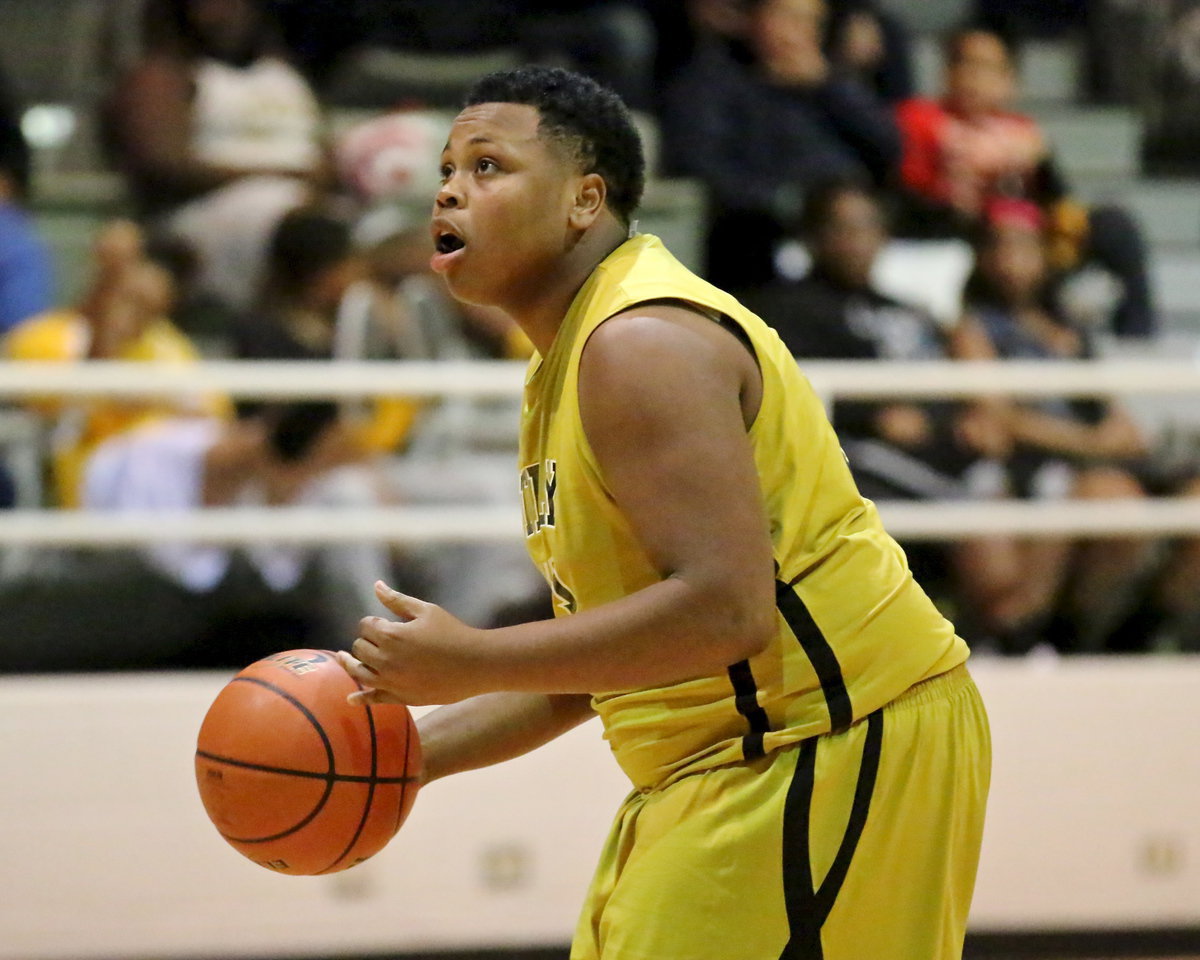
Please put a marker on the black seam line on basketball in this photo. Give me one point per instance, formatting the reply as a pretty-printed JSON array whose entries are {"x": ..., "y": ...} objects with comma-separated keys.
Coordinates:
[
  {"x": 804, "y": 928},
  {"x": 820, "y": 654},
  {"x": 864, "y": 789},
  {"x": 326, "y": 793},
  {"x": 366, "y": 812},
  {"x": 408, "y": 732},
  {"x": 307, "y": 774},
  {"x": 745, "y": 699}
]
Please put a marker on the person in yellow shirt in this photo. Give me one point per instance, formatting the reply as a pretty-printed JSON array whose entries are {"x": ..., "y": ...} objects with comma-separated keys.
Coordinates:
[
  {"x": 125, "y": 315},
  {"x": 808, "y": 754}
]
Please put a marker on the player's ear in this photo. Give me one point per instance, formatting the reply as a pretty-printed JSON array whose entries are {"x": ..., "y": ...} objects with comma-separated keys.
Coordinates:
[{"x": 590, "y": 194}]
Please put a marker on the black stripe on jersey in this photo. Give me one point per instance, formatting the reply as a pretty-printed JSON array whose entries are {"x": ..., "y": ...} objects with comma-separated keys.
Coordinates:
[
  {"x": 819, "y": 653},
  {"x": 745, "y": 698},
  {"x": 807, "y": 909}
]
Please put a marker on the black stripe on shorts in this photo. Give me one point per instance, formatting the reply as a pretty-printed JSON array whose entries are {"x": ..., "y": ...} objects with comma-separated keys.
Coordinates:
[
  {"x": 745, "y": 698},
  {"x": 807, "y": 909},
  {"x": 820, "y": 654}
]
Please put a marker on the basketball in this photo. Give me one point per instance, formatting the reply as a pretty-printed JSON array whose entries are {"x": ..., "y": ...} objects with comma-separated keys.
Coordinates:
[{"x": 297, "y": 779}]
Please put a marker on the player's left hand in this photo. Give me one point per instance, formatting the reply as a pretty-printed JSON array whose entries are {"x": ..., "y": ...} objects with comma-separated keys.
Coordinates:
[{"x": 427, "y": 656}]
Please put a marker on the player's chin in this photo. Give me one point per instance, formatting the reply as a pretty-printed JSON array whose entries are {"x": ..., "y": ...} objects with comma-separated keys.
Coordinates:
[{"x": 469, "y": 286}]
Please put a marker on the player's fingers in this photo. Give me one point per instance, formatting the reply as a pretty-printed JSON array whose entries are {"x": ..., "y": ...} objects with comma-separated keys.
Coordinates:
[
  {"x": 357, "y": 670},
  {"x": 369, "y": 695},
  {"x": 366, "y": 653},
  {"x": 401, "y": 604},
  {"x": 374, "y": 629},
  {"x": 364, "y": 696}
]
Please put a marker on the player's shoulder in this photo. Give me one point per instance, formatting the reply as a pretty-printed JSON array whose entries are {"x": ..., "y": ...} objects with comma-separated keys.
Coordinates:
[
  {"x": 652, "y": 328},
  {"x": 647, "y": 350}
]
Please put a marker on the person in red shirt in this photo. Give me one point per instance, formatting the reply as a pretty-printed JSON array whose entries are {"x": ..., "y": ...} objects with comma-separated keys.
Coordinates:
[{"x": 970, "y": 148}]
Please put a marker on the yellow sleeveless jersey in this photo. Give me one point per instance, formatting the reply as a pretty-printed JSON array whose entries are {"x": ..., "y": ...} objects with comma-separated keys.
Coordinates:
[{"x": 854, "y": 629}]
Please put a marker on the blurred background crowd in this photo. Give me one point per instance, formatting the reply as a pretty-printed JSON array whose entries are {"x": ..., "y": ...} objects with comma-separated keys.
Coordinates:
[{"x": 184, "y": 179}]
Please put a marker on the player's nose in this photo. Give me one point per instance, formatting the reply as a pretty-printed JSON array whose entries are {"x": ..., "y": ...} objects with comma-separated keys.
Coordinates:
[{"x": 449, "y": 196}]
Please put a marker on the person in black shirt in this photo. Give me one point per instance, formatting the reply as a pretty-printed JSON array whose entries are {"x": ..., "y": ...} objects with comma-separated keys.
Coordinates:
[
  {"x": 758, "y": 134},
  {"x": 896, "y": 449},
  {"x": 899, "y": 449}
]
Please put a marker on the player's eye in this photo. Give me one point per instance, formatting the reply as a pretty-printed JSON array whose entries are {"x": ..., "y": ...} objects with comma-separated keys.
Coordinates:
[
  {"x": 486, "y": 165},
  {"x": 446, "y": 172}
]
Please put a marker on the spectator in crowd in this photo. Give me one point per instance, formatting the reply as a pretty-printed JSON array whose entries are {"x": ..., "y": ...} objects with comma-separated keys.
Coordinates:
[
  {"x": 684, "y": 29},
  {"x": 970, "y": 147},
  {"x": 872, "y": 44},
  {"x": 1079, "y": 448},
  {"x": 861, "y": 39},
  {"x": 898, "y": 450},
  {"x": 759, "y": 135},
  {"x": 611, "y": 40},
  {"x": 124, "y": 315},
  {"x": 198, "y": 605},
  {"x": 227, "y": 605},
  {"x": 217, "y": 134},
  {"x": 26, "y": 267},
  {"x": 313, "y": 268}
]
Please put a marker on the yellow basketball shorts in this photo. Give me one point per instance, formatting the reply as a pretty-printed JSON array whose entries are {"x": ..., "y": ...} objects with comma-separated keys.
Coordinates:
[{"x": 861, "y": 845}]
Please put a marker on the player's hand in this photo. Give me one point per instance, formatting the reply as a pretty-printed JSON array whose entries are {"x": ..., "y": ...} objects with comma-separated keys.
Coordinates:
[{"x": 426, "y": 656}]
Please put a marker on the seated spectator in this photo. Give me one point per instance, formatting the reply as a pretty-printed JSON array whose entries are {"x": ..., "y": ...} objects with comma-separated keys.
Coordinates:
[
  {"x": 217, "y": 134},
  {"x": 685, "y": 28},
  {"x": 1078, "y": 448},
  {"x": 899, "y": 450},
  {"x": 124, "y": 315},
  {"x": 759, "y": 135},
  {"x": 26, "y": 266},
  {"x": 197, "y": 605},
  {"x": 872, "y": 44},
  {"x": 969, "y": 148},
  {"x": 610, "y": 40},
  {"x": 835, "y": 312},
  {"x": 274, "y": 456}
]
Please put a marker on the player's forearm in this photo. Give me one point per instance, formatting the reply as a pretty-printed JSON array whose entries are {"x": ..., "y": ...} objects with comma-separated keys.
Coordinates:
[
  {"x": 494, "y": 727},
  {"x": 670, "y": 631}
]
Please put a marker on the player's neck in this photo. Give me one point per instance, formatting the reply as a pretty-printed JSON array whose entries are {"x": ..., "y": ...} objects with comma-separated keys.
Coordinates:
[{"x": 542, "y": 314}]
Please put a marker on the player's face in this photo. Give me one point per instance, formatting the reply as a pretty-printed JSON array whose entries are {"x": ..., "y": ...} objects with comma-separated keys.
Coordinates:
[{"x": 500, "y": 218}]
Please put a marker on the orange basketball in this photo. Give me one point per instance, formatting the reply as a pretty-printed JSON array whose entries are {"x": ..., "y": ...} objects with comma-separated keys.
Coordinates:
[{"x": 296, "y": 778}]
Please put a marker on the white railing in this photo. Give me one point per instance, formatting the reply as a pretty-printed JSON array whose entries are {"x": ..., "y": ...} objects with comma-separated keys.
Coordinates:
[
  {"x": 462, "y": 379},
  {"x": 844, "y": 379}
]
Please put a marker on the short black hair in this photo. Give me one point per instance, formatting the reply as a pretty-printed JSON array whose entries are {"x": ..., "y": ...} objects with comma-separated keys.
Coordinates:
[{"x": 589, "y": 119}]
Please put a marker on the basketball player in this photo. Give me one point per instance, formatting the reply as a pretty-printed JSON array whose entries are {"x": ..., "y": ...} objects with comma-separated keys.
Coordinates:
[{"x": 809, "y": 755}]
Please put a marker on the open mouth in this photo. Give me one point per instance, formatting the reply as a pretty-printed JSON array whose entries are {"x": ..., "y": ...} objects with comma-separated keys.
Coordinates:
[{"x": 449, "y": 243}]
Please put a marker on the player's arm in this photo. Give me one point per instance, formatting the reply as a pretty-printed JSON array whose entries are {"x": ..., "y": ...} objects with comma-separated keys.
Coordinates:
[
  {"x": 494, "y": 727},
  {"x": 665, "y": 396}
]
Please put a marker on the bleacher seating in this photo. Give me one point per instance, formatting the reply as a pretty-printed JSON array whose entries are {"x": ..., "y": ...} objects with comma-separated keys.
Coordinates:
[{"x": 1099, "y": 147}]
